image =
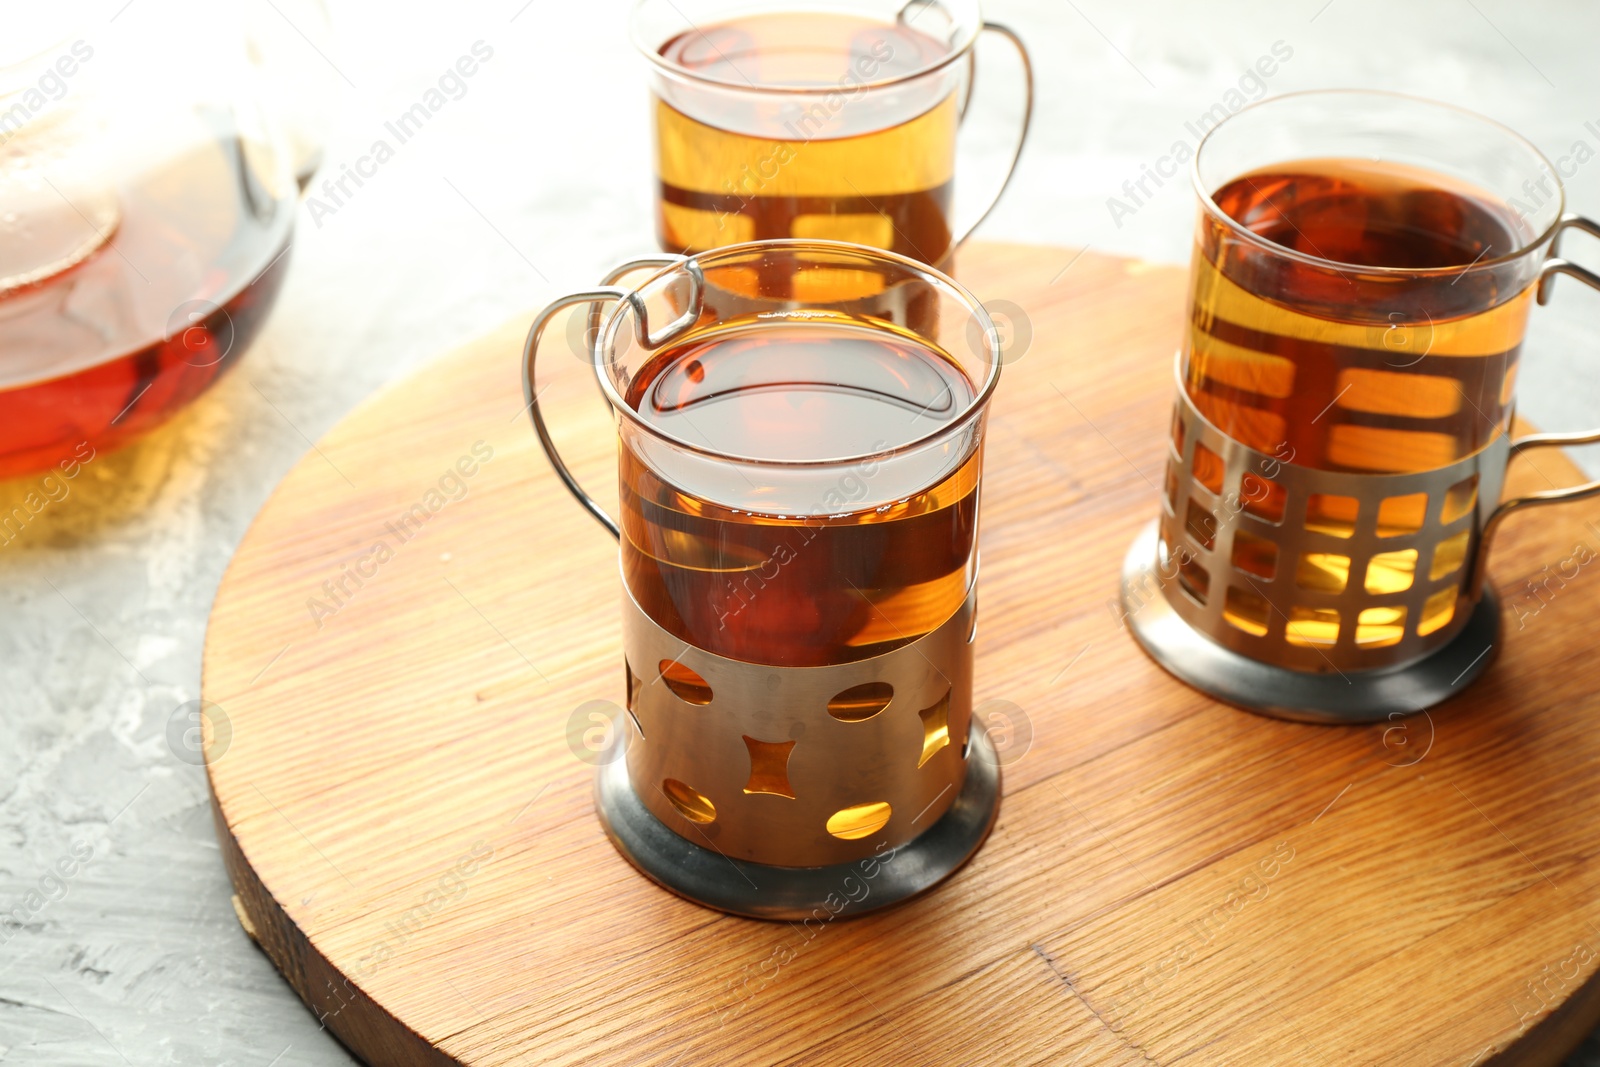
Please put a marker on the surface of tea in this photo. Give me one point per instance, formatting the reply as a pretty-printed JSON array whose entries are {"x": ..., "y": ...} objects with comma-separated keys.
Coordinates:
[
  {"x": 117, "y": 343},
  {"x": 839, "y": 582},
  {"x": 730, "y": 174},
  {"x": 1339, "y": 366}
]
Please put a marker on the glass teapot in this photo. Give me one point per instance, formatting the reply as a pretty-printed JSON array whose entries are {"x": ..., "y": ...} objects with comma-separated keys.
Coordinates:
[{"x": 147, "y": 200}]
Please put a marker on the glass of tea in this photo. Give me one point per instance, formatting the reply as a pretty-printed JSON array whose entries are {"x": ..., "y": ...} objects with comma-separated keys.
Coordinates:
[
  {"x": 802, "y": 119},
  {"x": 1364, "y": 268},
  {"x": 146, "y": 206},
  {"x": 799, "y": 485}
]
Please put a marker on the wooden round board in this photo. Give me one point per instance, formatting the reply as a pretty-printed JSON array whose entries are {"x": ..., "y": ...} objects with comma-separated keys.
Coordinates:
[{"x": 400, "y": 650}]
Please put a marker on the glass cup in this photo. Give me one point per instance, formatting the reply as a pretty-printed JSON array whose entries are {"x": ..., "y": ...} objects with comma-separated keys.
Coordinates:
[
  {"x": 1364, "y": 268},
  {"x": 792, "y": 119},
  {"x": 798, "y": 532}
]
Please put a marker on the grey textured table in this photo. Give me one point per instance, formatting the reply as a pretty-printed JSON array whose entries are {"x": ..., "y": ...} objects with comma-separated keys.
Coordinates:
[{"x": 534, "y": 181}]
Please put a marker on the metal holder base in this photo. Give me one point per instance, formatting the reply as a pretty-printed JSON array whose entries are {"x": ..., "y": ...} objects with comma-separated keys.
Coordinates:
[
  {"x": 1332, "y": 697},
  {"x": 761, "y": 891}
]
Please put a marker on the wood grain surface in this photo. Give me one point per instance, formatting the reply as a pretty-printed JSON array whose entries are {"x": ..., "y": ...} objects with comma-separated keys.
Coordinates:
[{"x": 412, "y": 838}]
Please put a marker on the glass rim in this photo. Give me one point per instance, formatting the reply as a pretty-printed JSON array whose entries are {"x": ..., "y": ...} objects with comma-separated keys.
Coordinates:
[
  {"x": 605, "y": 338},
  {"x": 1209, "y": 205},
  {"x": 967, "y": 40}
]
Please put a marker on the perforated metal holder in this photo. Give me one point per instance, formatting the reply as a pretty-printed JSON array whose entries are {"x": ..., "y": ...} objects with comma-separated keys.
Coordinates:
[
  {"x": 1237, "y": 587},
  {"x": 755, "y": 790}
]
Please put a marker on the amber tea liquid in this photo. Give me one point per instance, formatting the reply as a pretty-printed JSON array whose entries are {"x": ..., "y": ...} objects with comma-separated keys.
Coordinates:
[
  {"x": 723, "y": 182},
  {"x": 841, "y": 582},
  {"x": 1347, "y": 368}
]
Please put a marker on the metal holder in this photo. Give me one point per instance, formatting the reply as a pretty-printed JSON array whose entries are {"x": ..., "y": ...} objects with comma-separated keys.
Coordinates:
[
  {"x": 1231, "y": 592},
  {"x": 774, "y": 791}
]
